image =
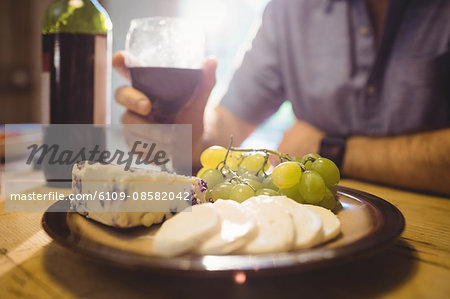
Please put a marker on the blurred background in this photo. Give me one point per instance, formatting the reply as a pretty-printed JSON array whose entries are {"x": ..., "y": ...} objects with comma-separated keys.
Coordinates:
[{"x": 228, "y": 25}]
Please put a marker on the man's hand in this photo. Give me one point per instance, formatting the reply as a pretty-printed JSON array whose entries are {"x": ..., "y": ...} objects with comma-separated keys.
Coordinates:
[
  {"x": 139, "y": 106},
  {"x": 220, "y": 123}
]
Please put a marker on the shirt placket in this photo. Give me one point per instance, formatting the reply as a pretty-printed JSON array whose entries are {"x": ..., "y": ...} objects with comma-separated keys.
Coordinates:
[
  {"x": 364, "y": 58},
  {"x": 370, "y": 107}
]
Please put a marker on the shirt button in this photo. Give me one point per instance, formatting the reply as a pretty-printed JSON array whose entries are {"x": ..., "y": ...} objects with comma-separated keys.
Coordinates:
[
  {"x": 370, "y": 90},
  {"x": 364, "y": 30}
]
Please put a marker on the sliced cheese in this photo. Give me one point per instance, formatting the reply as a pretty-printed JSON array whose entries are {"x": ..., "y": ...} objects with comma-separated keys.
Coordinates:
[
  {"x": 236, "y": 229},
  {"x": 308, "y": 225},
  {"x": 275, "y": 227},
  {"x": 186, "y": 230},
  {"x": 331, "y": 223}
]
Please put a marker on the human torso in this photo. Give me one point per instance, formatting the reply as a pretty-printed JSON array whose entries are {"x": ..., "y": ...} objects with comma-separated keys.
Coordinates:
[{"x": 341, "y": 81}]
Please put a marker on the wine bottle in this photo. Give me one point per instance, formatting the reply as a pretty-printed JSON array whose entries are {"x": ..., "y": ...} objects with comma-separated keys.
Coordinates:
[{"x": 76, "y": 42}]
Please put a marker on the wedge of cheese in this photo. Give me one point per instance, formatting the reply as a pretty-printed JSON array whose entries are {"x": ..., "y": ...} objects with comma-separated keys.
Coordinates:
[{"x": 97, "y": 178}]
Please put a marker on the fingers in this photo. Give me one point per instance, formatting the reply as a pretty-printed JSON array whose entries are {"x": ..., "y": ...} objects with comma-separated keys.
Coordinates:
[
  {"x": 137, "y": 102},
  {"x": 118, "y": 62},
  {"x": 127, "y": 96},
  {"x": 129, "y": 117},
  {"x": 133, "y": 100}
]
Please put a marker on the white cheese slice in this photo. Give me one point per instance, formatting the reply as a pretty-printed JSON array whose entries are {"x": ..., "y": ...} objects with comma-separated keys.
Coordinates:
[
  {"x": 308, "y": 225},
  {"x": 186, "y": 230},
  {"x": 236, "y": 229},
  {"x": 275, "y": 227},
  {"x": 331, "y": 223}
]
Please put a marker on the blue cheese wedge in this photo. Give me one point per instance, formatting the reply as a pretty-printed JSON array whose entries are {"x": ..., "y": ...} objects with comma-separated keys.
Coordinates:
[{"x": 96, "y": 178}]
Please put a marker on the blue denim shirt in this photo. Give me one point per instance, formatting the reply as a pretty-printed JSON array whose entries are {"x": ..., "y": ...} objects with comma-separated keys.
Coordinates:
[{"x": 321, "y": 55}]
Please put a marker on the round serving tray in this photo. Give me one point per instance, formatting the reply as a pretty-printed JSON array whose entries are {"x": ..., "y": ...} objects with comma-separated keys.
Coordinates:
[{"x": 369, "y": 224}]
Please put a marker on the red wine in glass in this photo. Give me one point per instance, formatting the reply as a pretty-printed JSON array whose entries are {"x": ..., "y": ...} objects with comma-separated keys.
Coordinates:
[{"x": 169, "y": 89}]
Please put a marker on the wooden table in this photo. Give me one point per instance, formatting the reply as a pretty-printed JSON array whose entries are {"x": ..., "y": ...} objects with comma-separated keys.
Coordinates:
[{"x": 416, "y": 266}]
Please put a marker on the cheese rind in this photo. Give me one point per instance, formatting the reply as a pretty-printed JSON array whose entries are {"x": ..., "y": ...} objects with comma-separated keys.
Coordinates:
[{"x": 95, "y": 178}]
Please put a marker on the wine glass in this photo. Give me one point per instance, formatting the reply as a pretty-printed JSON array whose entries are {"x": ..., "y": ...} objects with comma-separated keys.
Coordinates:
[{"x": 165, "y": 56}]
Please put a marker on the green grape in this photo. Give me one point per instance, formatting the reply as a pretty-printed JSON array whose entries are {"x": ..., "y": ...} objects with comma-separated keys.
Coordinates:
[
  {"x": 266, "y": 191},
  {"x": 208, "y": 195},
  {"x": 221, "y": 191},
  {"x": 227, "y": 175},
  {"x": 255, "y": 162},
  {"x": 312, "y": 187},
  {"x": 251, "y": 176},
  {"x": 308, "y": 165},
  {"x": 297, "y": 159},
  {"x": 329, "y": 201},
  {"x": 254, "y": 184},
  {"x": 212, "y": 177},
  {"x": 309, "y": 157},
  {"x": 201, "y": 171},
  {"x": 212, "y": 156},
  {"x": 268, "y": 183},
  {"x": 238, "y": 155},
  {"x": 233, "y": 162},
  {"x": 328, "y": 170},
  {"x": 292, "y": 193},
  {"x": 286, "y": 174},
  {"x": 241, "y": 192},
  {"x": 333, "y": 189},
  {"x": 241, "y": 171}
]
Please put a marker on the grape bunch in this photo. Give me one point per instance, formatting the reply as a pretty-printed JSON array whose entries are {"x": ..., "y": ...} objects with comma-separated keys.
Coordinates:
[{"x": 239, "y": 174}]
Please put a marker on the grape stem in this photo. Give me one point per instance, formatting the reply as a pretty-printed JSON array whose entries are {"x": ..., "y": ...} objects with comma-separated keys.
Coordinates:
[
  {"x": 224, "y": 162},
  {"x": 224, "y": 165},
  {"x": 228, "y": 150},
  {"x": 266, "y": 151}
]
